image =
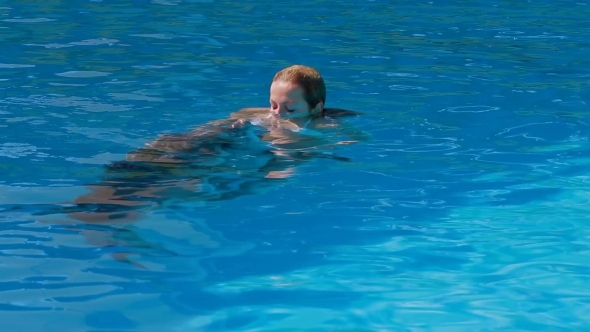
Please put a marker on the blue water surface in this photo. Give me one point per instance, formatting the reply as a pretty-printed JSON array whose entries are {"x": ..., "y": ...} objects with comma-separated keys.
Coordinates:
[{"x": 466, "y": 210}]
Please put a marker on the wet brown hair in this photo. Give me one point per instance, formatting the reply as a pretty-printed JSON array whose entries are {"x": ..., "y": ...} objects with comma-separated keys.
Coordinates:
[{"x": 309, "y": 79}]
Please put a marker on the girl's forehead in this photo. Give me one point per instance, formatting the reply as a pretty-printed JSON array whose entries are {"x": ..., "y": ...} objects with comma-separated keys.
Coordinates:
[
  {"x": 284, "y": 85},
  {"x": 282, "y": 89}
]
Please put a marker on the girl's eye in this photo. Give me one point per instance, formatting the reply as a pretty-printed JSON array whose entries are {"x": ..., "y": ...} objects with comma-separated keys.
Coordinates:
[{"x": 290, "y": 111}]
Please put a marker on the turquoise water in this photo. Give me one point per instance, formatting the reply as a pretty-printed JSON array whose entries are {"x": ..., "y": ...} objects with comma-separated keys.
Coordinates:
[{"x": 465, "y": 211}]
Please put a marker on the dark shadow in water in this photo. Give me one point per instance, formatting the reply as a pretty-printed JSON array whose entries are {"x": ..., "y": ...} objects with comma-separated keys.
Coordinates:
[{"x": 215, "y": 162}]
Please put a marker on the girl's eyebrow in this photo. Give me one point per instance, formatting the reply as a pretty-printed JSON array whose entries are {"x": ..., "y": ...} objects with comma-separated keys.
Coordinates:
[{"x": 288, "y": 103}]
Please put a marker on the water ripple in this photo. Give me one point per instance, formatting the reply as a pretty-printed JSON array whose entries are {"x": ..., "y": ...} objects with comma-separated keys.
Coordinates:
[
  {"x": 29, "y": 20},
  {"x": 51, "y": 45},
  {"x": 78, "y": 74},
  {"x": 159, "y": 36},
  {"x": 8, "y": 65},
  {"x": 93, "y": 42},
  {"x": 85, "y": 104},
  {"x": 18, "y": 150},
  {"x": 406, "y": 87},
  {"x": 470, "y": 109},
  {"x": 542, "y": 131}
]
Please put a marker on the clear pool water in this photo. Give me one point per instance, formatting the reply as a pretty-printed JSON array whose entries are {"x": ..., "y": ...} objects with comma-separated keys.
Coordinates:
[{"x": 467, "y": 209}]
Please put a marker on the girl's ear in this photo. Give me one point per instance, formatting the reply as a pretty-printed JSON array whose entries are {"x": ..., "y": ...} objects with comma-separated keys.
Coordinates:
[{"x": 318, "y": 109}]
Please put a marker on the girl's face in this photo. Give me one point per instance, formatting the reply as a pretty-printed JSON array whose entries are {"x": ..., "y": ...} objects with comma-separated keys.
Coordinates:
[{"x": 287, "y": 101}]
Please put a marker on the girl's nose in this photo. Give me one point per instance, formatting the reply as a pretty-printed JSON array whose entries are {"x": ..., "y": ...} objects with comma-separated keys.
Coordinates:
[{"x": 278, "y": 110}]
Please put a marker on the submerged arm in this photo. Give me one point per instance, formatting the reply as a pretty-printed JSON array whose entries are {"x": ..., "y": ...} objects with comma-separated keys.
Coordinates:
[{"x": 354, "y": 134}]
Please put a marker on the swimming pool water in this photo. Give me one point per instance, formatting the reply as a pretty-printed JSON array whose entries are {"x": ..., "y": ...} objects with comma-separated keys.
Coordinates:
[{"x": 465, "y": 211}]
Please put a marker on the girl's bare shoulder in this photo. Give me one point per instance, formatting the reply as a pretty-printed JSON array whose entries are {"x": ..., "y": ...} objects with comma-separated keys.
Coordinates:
[
  {"x": 339, "y": 112},
  {"x": 332, "y": 117}
]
